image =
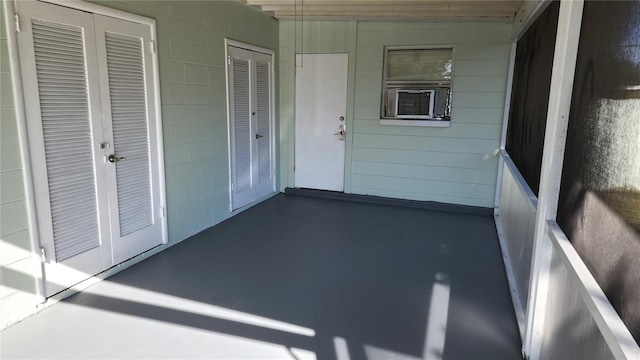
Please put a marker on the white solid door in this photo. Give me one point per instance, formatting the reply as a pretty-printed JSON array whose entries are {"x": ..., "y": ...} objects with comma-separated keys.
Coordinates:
[
  {"x": 88, "y": 94},
  {"x": 133, "y": 186},
  {"x": 251, "y": 125},
  {"x": 320, "y": 118}
]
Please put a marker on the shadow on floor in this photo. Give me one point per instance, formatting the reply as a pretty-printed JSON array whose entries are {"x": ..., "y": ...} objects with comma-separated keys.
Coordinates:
[{"x": 335, "y": 279}]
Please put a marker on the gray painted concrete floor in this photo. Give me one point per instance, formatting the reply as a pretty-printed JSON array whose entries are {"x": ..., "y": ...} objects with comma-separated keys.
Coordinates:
[{"x": 297, "y": 278}]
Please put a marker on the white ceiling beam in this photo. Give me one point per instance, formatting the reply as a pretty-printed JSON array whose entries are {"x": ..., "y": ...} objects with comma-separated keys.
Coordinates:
[
  {"x": 410, "y": 15},
  {"x": 403, "y": 8},
  {"x": 499, "y": 10},
  {"x": 375, "y": 2}
]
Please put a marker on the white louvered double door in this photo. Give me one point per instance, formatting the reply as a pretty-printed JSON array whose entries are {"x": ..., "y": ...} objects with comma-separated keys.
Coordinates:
[
  {"x": 251, "y": 124},
  {"x": 89, "y": 97}
]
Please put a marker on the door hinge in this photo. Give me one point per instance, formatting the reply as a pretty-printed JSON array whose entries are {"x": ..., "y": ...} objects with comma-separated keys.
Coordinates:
[
  {"x": 43, "y": 258},
  {"x": 233, "y": 186},
  {"x": 17, "y": 20},
  {"x": 162, "y": 212},
  {"x": 228, "y": 60},
  {"x": 153, "y": 47}
]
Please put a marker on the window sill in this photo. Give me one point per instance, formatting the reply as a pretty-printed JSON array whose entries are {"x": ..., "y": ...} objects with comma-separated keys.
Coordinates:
[{"x": 429, "y": 123}]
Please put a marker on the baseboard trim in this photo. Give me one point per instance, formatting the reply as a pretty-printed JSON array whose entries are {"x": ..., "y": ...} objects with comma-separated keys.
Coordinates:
[{"x": 370, "y": 199}]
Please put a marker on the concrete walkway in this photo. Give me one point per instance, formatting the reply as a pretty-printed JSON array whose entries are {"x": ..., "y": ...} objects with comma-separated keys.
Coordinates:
[{"x": 296, "y": 278}]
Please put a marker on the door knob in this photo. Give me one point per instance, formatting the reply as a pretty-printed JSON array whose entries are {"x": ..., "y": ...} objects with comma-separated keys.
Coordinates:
[
  {"x": 113, "y": 159},
  {"x": 258, "y": 136}
]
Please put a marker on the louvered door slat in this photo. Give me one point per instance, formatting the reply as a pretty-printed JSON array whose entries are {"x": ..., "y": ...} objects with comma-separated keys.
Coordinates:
[
  {"x": 242, "y": 124},
  {"x": 51, "y": 52},
  {"x": 127, "y": 92},
  {"x": 74, "y": 213},
  {"x": 57, "y": 58},
  {"x": 263, "y": 103}
]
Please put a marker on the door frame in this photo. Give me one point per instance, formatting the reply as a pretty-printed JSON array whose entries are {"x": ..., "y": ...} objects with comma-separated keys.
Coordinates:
[
  {"x": 272, "y": 122},
  {"x": 30, "y": 164}
]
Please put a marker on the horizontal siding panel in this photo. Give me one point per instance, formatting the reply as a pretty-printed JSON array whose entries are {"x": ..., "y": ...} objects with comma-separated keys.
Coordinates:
[
  {"x": 411, "y": 157},
  {"x": 420, "y": 196},
  {"x": 368, "y": 97},
  {"x": 367, "y": 67},
  {"x": 369, "y": 54},
  {"x": 443, "y": 188},
  {"x": 479, "y": 83},
  {"x": 468, "y": 35},
  {"x": 483, "y": 52},
  {"x": 369, "y": 83},
  {"x": 319, "y": 36},
  {"x": 387, "y": 26},
  {"x": 452, "y": 27},
  {"x": 477, "y": 116},
  {"x": 468, "y": 146},
  {"x": 404, "y": 26},
  {"x": 459, "y": 115},
  {"x": 480, "y": 100},
  {"x": 457, "y": 130},
  {"x": 480, "y": 67},
  {"x": 436, "y": 173},
  {"x": 367, "y": 112}
]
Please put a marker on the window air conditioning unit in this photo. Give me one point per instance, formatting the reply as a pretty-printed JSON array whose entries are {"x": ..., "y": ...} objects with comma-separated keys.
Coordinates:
[{"x": 415, "y": 104}]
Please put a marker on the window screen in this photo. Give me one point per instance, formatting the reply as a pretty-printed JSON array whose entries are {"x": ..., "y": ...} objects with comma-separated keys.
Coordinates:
[
  {"x": 530, "y": 95},
  {"x": 599, "y": 205},
  {"x": 419, "y": 65}
]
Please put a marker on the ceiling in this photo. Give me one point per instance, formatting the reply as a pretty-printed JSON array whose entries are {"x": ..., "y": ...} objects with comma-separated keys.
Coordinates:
[{"x": 444, "y": 10}]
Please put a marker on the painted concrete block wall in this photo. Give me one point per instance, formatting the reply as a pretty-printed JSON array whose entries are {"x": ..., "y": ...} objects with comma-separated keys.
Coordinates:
[
  {"x": 450, "y": 165},
  {"x": 17, "y": 284},
  {"x": 194, "y": 104},
  {"x": 193, "y": 87}
]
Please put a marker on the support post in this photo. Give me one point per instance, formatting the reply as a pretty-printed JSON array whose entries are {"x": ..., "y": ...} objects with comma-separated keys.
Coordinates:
[{"x": 564, "y": 64}]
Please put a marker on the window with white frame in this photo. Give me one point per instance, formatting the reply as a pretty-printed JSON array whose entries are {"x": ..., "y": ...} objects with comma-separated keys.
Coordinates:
[{"x": 416, "y": 85}]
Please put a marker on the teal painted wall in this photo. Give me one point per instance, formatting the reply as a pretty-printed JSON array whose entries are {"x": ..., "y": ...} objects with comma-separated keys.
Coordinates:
[
  {"x": 452, "y": 165},
  {"x": 15, "y": 241},
  {"x": 194, "y": 112}
]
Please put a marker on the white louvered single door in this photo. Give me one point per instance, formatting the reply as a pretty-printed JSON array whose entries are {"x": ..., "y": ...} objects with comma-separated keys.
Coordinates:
[
  {"x": 128, "y": 107},
  {"x": 251, "y": 125},
  {"x": 57, "y": 55}
]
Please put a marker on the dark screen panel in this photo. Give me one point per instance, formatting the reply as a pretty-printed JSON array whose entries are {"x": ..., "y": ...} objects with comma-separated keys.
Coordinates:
[
  {"x": 599, "y": 206},
  {"x": 530, "y": 95}
]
